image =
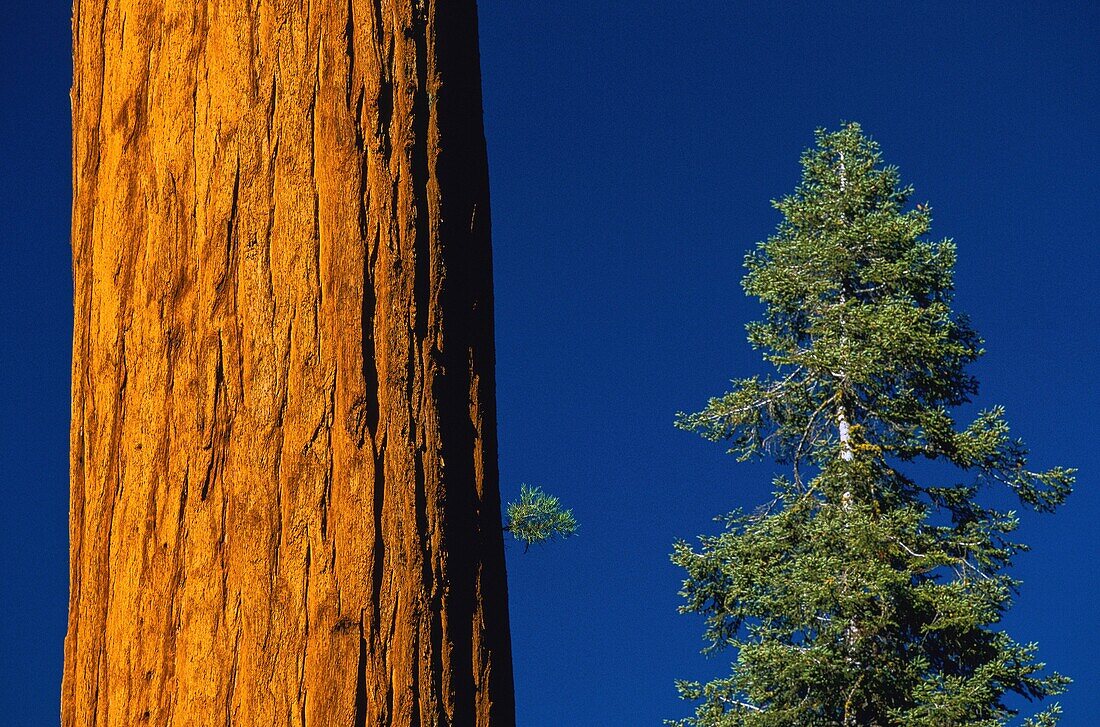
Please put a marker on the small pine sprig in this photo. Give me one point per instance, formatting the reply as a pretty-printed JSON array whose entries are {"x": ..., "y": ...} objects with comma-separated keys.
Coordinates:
[{"x": 537, "y": 517}]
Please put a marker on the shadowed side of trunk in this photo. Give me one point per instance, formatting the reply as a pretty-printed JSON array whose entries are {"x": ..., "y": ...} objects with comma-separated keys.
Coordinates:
[{"x": 284, "y": 489}]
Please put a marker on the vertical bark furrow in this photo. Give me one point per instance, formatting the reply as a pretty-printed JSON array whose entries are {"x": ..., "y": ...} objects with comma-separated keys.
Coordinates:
[{"x": 284, "y": 496}]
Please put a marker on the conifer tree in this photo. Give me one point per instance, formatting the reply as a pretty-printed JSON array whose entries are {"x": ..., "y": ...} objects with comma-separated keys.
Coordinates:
[{"x": 860, "y": 595}]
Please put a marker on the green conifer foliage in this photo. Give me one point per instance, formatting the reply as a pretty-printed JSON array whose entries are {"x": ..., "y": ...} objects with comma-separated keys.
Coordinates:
[
  {"x": 537, "y": 517},
  {"x": 860, "y": 596}
]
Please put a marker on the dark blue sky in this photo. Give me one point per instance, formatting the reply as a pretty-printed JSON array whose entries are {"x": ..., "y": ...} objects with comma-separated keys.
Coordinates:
[{"x": 633, "y": 148}]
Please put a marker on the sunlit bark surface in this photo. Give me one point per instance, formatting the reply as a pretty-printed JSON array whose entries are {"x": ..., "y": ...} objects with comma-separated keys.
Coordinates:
[{"x": 284, "y": 501}]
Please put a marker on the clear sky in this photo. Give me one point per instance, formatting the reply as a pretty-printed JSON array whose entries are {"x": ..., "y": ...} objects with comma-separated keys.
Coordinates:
[{"x": 633, "y": 149}]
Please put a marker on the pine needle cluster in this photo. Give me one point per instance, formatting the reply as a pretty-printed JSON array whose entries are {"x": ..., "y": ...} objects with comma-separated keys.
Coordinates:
[{"x": 538, "y": 517}]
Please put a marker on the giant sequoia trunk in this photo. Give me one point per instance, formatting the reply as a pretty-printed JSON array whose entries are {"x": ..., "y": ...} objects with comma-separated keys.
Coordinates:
[{"x": 284, "y": 489}]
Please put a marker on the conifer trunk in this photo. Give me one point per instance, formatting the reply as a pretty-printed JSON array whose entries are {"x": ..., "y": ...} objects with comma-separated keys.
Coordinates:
[{"x": 284, "y": 500}]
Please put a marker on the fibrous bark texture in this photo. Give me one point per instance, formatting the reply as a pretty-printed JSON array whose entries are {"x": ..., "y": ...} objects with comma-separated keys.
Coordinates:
[{"x": 284, "y": 502}]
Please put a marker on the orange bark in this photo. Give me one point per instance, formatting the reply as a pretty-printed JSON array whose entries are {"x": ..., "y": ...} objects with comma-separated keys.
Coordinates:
[{"x": 284, "y": 500}]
